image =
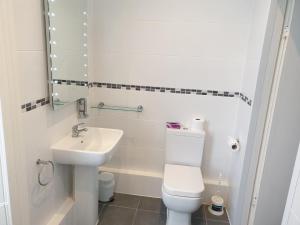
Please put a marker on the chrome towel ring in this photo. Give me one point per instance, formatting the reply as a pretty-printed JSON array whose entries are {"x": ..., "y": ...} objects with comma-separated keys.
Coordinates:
[{"x": 43, "y": 164}]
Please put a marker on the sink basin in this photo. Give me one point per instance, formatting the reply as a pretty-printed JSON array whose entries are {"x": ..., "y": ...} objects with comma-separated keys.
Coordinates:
[{"x": 91, "y": 148}]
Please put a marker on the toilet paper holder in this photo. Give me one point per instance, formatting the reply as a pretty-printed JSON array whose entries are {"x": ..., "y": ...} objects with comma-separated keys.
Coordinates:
[{"x": 234, "y": 144}]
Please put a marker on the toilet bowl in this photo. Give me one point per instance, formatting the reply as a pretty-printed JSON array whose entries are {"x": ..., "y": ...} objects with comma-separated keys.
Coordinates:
[
  {"x": 183, "y": 183},
  {"x": 181, "y": 193}
]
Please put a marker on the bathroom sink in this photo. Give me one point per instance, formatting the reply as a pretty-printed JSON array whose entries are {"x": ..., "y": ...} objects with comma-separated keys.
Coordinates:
[{"x": 91, "y": 148}]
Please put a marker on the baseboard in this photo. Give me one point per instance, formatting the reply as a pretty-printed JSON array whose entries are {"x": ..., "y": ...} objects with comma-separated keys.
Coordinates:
[
  {"x": 149, "y": 184},
  {"x": 136, "y": 182},
  {"x": 62, "y": 212}
]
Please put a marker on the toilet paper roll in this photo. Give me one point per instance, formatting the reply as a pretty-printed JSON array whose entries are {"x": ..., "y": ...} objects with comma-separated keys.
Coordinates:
[
  {"x": 197, "y": 124},
  {"x": 234, "y": 144}
]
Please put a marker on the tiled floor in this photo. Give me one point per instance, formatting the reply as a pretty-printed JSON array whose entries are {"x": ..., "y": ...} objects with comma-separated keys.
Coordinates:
[{"x": 136, "y": 210}]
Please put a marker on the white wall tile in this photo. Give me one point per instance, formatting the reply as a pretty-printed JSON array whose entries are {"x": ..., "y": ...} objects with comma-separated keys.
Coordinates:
[
  {"x": 129, "y": 158},
  {"x": 144, "y": 136},
  {"x": 146, "y": 133},
  {"x": 110, "y": 66},
  {"x": 214, "y": 10},
  {"x": 214, "y": 40},
  {"x": 186, "y": 10},
  {"x": 165, "y": 107},
  {"x": 114, "y": 10},
  {"x": 111, "y": 36},
  {"x": 1, "y": 186},
  {"x": 169, "y": 71},
  {"x": 163, "y": 38},
  {"x": 3, "y": 217},
  {"x": 109, "y": 97},
  {"x": 155, "y": 70},
  {"x": 29, "y": 23},
  {"x": 255, "y": 46},
  {"x": 250, "y": 77},
  {"x": 32, "y": 69},
  {"x": 156, "y": 10},
  {"x": 196, "y": 44}
]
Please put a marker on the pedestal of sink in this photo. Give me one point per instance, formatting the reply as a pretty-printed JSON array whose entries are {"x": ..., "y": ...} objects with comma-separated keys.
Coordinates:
[
  {"x": 85, "y": 191},
  {"x": 86, "y": 152}
]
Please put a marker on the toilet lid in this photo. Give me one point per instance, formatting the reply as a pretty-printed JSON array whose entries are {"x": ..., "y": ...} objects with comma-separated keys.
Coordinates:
[{"x": 185, "y": 181}]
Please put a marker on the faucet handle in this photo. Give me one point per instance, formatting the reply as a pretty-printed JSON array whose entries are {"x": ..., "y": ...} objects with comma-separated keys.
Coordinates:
[
  {"x": 82, "y": 129},
  {"x": 77, "y": 126},
  {"x": 76, "y": 130}
]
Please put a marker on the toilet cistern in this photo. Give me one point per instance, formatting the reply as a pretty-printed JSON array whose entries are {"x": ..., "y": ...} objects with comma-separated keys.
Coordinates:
[{"x": 183, "y": 182}]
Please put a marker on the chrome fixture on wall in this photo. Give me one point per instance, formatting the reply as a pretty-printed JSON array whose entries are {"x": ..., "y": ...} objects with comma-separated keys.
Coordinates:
[
  {"x": 82, "y": 108},
  {"x": 101, "y": 105},
  {"x": 43, "y": 164}
]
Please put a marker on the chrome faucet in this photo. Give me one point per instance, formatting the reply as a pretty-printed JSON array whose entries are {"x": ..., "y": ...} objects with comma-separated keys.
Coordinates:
[{"x": 76, "y": 131}]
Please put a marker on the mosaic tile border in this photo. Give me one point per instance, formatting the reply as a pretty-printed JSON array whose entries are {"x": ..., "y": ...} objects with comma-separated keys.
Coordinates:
[
  {"x": 165, "y": 89},
  {"x": 35, "y": 104},
  {"x": 44, "y": 101},
  {"x": 245, "y": 99},
  {"x": 70, "y": 82}
]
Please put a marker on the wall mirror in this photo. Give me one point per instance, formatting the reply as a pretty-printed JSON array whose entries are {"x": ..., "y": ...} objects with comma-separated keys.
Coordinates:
[{"x": 66, "y": 32}]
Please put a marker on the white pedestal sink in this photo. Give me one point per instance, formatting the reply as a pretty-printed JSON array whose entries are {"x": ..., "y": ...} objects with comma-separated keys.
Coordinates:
[{"x": 86, "y": 152}]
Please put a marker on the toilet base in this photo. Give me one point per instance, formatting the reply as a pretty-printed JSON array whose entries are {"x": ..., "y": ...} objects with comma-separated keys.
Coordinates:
[{"x": 178, "y": 218}]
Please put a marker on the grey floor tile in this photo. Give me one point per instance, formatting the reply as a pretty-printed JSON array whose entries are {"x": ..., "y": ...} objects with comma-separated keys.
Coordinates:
[
  {"x": 101, "y": 211},
  {"x": 149, "y": 218},
  {"x": 211, "y": 217},
  {"x": 130, "y": 201},
  {"x": 112, "y": 215},
  {"x": 152, "y": 204},
  {"x": 100, "y": 206},
  {"x": 198, "y": 221},
  {"x": 151, "y": 211},
  {"x": 209, "y": 222},
  {"x": 199, "y": 213}
]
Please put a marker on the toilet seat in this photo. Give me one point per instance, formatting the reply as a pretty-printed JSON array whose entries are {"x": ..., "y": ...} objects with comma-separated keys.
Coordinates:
[{"x": 183, "y": 181}]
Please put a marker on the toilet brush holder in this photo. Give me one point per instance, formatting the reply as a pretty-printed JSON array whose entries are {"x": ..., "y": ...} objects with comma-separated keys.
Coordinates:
[{"x": 217, "y": 206}]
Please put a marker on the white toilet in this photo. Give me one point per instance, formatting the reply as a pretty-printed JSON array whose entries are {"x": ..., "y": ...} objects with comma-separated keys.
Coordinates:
[{"x": 183, "y": 183}]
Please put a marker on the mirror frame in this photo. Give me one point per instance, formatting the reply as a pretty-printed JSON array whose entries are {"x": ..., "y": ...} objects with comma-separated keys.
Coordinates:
[{"x": 50, "y": 78}]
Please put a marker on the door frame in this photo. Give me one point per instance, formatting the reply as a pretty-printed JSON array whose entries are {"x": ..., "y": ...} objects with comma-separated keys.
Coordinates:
[
  {"x": 261, "y": 103},
  {"x": 271, "y": 106}
]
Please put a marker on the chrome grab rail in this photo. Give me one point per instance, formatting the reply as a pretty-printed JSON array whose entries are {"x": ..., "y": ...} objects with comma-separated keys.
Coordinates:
[{"x": 101, "y": 105}]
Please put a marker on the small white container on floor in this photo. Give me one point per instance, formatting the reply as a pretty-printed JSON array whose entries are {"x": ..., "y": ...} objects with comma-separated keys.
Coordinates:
[
  {"x": 217, "y": 206},
  {"x": 106, "y": 186}
]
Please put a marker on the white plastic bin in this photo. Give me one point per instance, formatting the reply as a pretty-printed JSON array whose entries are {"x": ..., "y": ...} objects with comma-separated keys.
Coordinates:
[{"x": 106, "y": 186}]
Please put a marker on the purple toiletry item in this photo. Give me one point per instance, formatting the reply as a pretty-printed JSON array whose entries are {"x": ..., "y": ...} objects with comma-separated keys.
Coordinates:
[{"x": 173, "y": 125}]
